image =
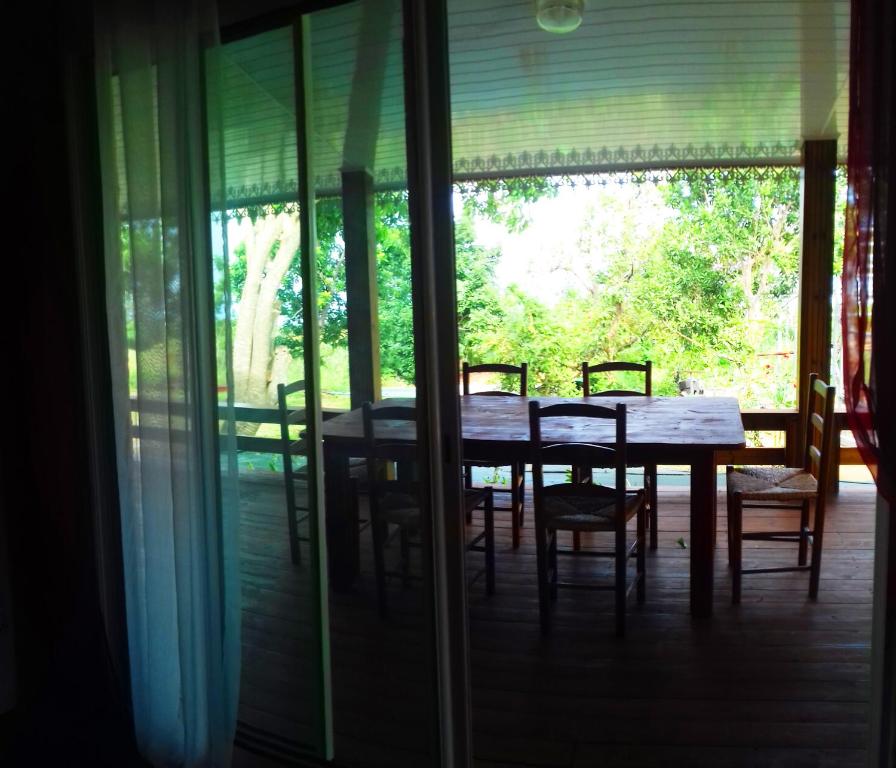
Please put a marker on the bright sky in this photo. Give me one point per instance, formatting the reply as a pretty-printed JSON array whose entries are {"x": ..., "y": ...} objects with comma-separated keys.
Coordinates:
[{"x": 570, "y": 234}]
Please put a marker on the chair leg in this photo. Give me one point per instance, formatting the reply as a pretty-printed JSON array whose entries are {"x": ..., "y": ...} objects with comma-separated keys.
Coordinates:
[
  {"x": 514, "y": 508},
  {"x": 468, "y": 483},
  {"x": 735, "y": 523},
  {"x": 580, "y": 475},
  {"x": 817, "y": 540},
  {"x": 642, "y": 555},
  {"x": 552, "y": 564},
  {"x": 541, "y": 555},
  {"x": 292, "y": 523},
  {"x": 379, "y": 541},
  {"x": 404, "y": 538},
  {"x": 489, "y": 544},
  {"x": 620, "y": 585},
  {"x": 804, "y": 533},
  {"x": 650, "y": 481},
  {"x": 730, "y": 539},
  {"x": 728, "y": 511},
  {"x": 521, "y": 473},
  {"x": 295, "y": 550}
]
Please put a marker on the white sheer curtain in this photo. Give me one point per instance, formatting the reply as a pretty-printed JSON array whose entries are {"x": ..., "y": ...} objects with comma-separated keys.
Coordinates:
[{"x": 176, "y": 476}]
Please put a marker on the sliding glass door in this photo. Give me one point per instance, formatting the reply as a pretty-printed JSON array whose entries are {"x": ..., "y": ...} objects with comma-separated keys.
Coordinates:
[
  {"x": 327, "y": 244},
  {"x": 274, "y": 390}
]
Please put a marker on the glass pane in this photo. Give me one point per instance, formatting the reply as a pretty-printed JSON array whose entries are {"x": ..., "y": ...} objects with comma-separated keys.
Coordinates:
[
  {"x": 375, "y": 644},
  {"x": 381, "y": 652},
  {"x": 280, "y": 693}
]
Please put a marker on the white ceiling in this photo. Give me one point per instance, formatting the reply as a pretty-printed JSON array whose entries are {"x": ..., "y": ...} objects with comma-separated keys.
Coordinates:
[{"x": 639, "y": 85}]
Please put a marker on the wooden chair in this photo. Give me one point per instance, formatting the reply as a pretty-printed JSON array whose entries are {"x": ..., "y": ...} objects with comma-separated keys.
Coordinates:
[
  {"x": 295, "y": 513},
  {"x": 578, "y": 507},
  {"x": 517, "y": 489},
  {"x": 787, "y": 488},
  {"x": 646, "y": 368},
  {"x": 398, "y": 502}
]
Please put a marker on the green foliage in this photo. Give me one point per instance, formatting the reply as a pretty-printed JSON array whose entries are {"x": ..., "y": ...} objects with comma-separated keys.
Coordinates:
[
  {"x": 503, "y": 200},
  {"x": 393, "y": 265},
  {"x": 703, "y": 297},
  {"x": 478, "y": 302},
  {"x": 331, "y": 307},
  {"x": 702, "y": 289}
]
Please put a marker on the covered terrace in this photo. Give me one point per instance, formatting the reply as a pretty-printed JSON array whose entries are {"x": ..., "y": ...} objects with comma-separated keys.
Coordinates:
[{"x": 651, "y": 92}]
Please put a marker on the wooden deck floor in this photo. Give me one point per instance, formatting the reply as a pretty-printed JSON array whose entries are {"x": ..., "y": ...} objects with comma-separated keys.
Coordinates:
[{"x": 776, "y": 681}]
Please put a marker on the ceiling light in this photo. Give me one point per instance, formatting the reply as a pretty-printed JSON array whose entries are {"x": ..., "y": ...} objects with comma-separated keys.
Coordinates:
[{"x": 559, "y": 16}]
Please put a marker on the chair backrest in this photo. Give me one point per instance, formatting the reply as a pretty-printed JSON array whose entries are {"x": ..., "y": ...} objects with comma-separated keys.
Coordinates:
[
  {"x": 385, "y": 448},
  {"x": 288, "y": 446},
  {"x": 521, "y": 370},
  {"x": 574, "y": 454},
  {"x": 820, "y": 429},
  {"x": 617, "y": 366}
]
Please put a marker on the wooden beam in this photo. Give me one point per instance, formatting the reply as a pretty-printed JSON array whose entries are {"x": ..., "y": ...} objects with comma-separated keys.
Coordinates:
[
  {"x": 365, "y": 103},
  {"x": 817, "y": 263},
  {"x": 360, "y": 287}
]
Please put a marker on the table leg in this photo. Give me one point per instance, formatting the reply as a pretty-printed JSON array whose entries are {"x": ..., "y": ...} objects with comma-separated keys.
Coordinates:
[
  {"x": 343, "y": 550},
  {"x": 703, "y": 499}
]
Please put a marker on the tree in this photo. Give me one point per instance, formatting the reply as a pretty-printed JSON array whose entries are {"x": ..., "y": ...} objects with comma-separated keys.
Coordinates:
[
  {"x": 733, "y": 249},
  {"x": 697, "y": 274},
  {"x": 263, "y": 257}
]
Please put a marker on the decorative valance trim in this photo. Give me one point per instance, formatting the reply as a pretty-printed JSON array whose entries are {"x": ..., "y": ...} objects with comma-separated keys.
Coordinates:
[{"x": 282, "y": 197}]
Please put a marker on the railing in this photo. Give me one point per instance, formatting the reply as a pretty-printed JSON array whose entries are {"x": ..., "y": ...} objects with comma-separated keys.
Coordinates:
[
  {"x": 261, "y": 415},
  {"x": 242, "y": 413}
]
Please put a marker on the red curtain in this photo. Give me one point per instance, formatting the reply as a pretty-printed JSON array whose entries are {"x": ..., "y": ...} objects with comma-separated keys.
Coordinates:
[{"x": 869, "y": 318}]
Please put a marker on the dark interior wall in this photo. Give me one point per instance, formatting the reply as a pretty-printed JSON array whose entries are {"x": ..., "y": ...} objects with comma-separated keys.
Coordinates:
[{"x": 69, "y": 710}]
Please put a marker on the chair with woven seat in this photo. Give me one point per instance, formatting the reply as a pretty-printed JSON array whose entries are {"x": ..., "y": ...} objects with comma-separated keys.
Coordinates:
[
  {"x": 296, "y": 512},
  {"x": 517, "y": 488},
  {"x": 584, "y": 507},
  {"x": 787, "y": 488},
  {"x": 646, "y": 368},
  {"x": 398, "y": 502}
]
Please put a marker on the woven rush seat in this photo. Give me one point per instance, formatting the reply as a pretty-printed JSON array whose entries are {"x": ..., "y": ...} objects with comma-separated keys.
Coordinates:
[
  {"x": 587, "y": 512},
  {"x": 773, "y": 483},
  {"x": 401, "y": 509},
  {"x": 404, "y": 508}
]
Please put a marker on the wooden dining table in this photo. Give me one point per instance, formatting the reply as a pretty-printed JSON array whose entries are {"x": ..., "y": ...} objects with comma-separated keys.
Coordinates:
[{"x": 660, "y": 430}]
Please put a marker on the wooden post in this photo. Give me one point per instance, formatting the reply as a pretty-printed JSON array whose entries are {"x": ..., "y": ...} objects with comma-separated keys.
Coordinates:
[
  {"x": 360, "y": 287},
  {"x": 793, "y": 447},
  {"x": 816, "y": 270}
]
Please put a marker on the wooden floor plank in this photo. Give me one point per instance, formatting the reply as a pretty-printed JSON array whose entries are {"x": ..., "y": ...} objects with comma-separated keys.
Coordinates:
[{"x": 778, "y": 680}]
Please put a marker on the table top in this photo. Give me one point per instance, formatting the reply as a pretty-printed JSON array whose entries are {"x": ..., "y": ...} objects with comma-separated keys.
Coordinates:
[{"x": 497, "y": 422}]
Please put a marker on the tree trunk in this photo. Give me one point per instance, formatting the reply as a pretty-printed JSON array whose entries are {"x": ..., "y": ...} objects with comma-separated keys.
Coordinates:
[{"x": 271, "y": 245}]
